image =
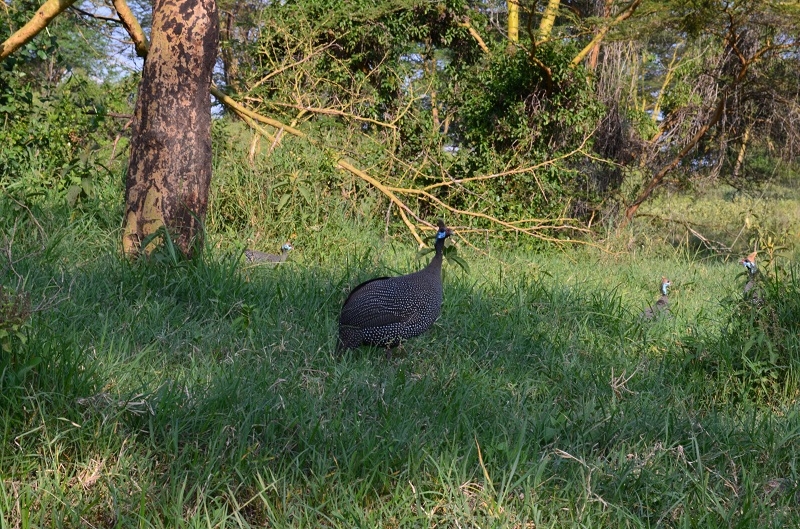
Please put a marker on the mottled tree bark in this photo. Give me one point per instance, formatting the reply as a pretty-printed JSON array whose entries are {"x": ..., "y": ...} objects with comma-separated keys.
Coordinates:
[{"x": 169, "y": 171}]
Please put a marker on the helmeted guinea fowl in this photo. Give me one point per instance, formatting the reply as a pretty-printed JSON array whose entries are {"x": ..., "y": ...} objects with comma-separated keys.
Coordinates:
[
  {"x": 662, "y": 304},
  {"x": 749, "y": 263},
  {"x": 387, "y": 310},
  {"x": 254, "y": 256}
]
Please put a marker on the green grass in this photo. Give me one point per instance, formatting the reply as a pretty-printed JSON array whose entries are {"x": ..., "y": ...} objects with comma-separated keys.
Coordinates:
[
  {"x": 722, "y": 217},
  {"x": 207, "y": 393}
]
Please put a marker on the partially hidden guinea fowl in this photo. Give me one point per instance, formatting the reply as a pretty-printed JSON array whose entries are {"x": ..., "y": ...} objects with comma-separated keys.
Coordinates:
[
  {"x": 388, "y": 310},
  {"x": 750, "y": 289},
  {"x": 749, "y": 263},
  {"x": 254, "y": 256},
  {"x": 662, "y": 304}
]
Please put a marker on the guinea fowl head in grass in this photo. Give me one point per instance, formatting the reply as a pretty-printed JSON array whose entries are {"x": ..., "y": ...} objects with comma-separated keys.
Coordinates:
[
  {"x": 749, "y": 263},
  {"x": 254, "y": 256},
  {"x": 662, "y": 303},
  {"x": 385, "y": 311},
  {"x": 665, "y": 284}
]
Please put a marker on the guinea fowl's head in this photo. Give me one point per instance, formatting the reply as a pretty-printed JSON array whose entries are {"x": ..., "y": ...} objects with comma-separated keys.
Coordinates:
[
  {"x": 665, "y": 284},
  {"x": 444, "y": 232},
  {"x": 749, "y": 262},
  {"x": 287, "y": 247}
]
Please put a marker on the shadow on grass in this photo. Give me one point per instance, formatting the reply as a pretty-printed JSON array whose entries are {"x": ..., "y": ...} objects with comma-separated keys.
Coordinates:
[{"x": 206, "y": 385}]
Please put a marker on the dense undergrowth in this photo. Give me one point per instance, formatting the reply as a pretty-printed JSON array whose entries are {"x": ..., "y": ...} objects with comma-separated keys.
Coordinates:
[{"x": 176, "y": 393}]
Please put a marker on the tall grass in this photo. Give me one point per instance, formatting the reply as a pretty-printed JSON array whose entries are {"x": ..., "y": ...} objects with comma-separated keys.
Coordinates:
[{"x": 177, "y": 394}]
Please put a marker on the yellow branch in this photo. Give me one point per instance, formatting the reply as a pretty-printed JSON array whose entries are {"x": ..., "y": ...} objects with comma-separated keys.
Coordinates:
[
  {"x": 602, "y": 33},
  {"x": 40, "y": 20},
  {"x": 511, "y": 171},
  {"x": 132, "y": 27},
  {"x": 340, "y": 162},
  {"x": 386, "y": 191},
  {"x": 475, "y": 34},
  {"x": 510, "y": 226},
  {"x": 334, "y": 112},
  {"x": 548, "y": 21},
  {"x": 228, "y": 101}
]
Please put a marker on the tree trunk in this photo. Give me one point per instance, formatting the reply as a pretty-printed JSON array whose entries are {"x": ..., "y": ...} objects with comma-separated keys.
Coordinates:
[
  {"x": 169, "y": 171},
  {"x": 594, "y": 55},
  {"x": 737, "y": 168},
  {"x": 548, "y": 21},
  {"x": 513, "y": 20}
]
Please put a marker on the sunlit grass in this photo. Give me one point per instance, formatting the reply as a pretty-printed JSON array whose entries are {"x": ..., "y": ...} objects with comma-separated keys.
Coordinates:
[{"x": 169, "y": 395}]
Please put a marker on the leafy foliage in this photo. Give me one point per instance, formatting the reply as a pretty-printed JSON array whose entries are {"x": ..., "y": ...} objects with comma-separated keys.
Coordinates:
[
  {"x": 54, "y": 116},
  {"x": 511, "y": 113}
]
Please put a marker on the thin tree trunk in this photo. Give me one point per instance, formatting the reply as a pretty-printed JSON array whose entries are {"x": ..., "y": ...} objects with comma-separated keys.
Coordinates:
[
  {"x": 548, "y": 21},
  {"x": 513, "y": 20},
  {"x": 594, "y": 55},
  {"x": 737, "y": 168},
  {"x": 169, "y": 171},
  {"x": 655, "y": 116}
]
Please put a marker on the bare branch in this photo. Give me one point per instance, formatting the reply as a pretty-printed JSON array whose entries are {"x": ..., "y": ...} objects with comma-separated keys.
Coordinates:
[
  {"x": 334, "y": 112},
  {"x": 40, "y": 20},
  {"x": 95, "y": 15},
  {"x": 475, "y": 35},
  {"x": 602, "y": 33},
  {"x": 132, "y": 26}
]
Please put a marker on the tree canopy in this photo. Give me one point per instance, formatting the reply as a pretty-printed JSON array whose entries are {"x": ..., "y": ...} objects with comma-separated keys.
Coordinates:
[{"x": 591, "y": 109}]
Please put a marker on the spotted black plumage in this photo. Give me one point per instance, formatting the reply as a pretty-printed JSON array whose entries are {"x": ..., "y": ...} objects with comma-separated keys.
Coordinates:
[
  {"x": 254, "y": 256},
  {"x": 387, "y": 310},
  {"x": 662, "y": 304}
]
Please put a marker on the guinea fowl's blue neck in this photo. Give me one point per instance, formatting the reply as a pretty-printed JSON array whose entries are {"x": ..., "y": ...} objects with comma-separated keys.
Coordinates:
[{"x": 439, "y": 247}]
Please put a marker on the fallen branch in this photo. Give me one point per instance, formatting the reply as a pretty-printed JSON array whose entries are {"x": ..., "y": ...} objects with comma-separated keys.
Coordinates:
[
  {"x": 334, "y": 112},
  {"x": 714, "y": 246},
  {"x": 241, "y": 110}
]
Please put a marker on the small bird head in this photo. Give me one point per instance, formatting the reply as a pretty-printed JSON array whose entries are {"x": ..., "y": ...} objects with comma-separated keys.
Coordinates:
[
  {"x": 444, "y": 232},
  {"x": 665, "y": 284},
  {"x": 749, "y": 262},
  {"x": 287, "y": 247}
]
